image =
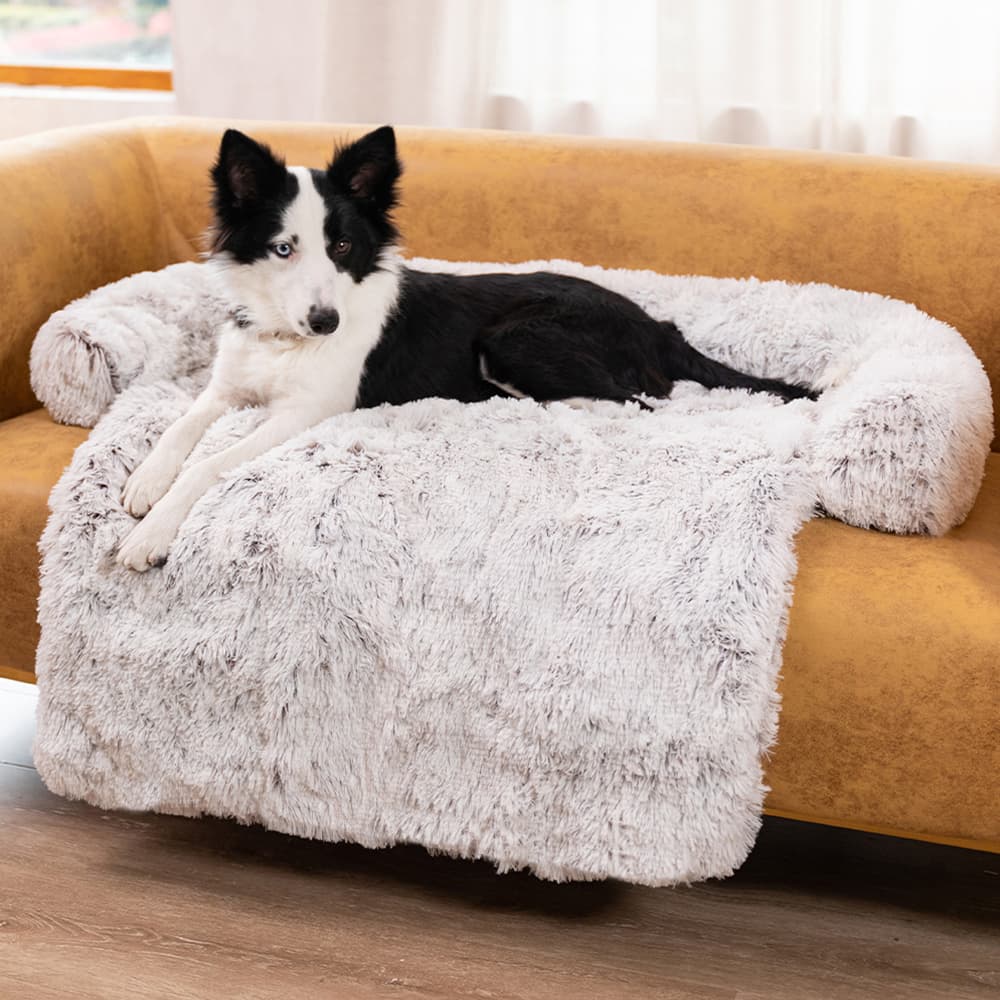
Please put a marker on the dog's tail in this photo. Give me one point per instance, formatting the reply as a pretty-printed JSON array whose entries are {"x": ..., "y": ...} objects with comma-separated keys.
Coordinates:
[{"x": 682, "y": 361}]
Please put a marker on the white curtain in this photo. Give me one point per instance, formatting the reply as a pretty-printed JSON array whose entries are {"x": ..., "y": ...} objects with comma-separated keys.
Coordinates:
[{"x": 906, "y": 77}]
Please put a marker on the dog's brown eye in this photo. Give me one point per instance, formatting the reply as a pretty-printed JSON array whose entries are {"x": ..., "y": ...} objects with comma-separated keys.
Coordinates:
[{"x": 341, "y": 247}]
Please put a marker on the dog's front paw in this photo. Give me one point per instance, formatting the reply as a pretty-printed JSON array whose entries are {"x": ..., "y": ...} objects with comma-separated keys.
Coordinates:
[
  {"x": 145, "y": 486},
  {"x": 146, "y": 545}
]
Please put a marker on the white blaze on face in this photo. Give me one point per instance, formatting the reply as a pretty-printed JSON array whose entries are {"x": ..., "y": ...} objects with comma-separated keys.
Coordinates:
[
  {"x": 308, "y": 279},
  {"x": 276, "y": 292},
  {"x": 315, "y": 281}
]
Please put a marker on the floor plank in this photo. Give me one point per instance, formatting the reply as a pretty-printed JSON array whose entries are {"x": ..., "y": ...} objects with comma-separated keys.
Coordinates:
[{"x": 108, "y": 905}]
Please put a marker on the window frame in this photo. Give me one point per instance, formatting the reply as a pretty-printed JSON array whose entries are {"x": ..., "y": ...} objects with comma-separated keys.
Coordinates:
[{"x": 82, "y": 75}]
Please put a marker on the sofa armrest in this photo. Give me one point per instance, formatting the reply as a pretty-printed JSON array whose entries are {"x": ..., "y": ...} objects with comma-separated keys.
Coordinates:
[{"x": 78, "y": 208}]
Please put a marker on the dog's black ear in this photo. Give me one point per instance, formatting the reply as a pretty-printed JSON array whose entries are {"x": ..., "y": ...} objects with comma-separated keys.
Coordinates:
[
  {"x": 246, "y": 172},
  {"x": 368, "y": 169}
]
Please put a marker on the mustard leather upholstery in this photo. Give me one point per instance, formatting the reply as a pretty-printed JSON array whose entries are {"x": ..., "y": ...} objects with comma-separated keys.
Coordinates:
[
  {"x": 891, "y": 687},
  {"x": 33, "y": 453}
]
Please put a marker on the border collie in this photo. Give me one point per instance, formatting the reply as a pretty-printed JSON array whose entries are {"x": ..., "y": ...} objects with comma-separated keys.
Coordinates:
[{"x": 328, "y": 318}]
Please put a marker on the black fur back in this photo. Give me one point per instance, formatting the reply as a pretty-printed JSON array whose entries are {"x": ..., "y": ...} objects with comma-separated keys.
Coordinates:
[{"x": 549, "y": 336}]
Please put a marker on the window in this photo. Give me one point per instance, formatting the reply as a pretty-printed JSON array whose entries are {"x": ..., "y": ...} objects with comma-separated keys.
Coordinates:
[{"x": 105, "y": 43}]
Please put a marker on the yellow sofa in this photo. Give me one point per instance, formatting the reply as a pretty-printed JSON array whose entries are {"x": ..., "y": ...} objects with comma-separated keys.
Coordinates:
[{"x": 891, "y": 687}]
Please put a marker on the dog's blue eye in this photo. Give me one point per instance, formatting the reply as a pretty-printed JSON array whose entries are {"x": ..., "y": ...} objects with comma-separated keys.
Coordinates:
[{"x": 282, "y": 249}]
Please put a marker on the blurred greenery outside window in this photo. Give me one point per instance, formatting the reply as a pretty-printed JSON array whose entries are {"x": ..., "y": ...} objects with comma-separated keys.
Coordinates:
[{"x": 123, "y": 34}]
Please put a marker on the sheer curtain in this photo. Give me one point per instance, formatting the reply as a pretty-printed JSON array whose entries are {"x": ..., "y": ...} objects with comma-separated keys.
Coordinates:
[{"x": 905, "y": 77}]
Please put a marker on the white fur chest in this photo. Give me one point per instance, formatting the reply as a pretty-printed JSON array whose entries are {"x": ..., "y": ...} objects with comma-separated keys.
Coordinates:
[{"x": 316, "y": 374}]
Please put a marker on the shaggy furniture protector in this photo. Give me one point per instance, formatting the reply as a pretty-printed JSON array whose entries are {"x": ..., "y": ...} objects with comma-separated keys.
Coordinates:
[
  {"x": 905, "y": 422},
  {"x": 533, "y": 634},
  {"x": 890, "y": 668}
]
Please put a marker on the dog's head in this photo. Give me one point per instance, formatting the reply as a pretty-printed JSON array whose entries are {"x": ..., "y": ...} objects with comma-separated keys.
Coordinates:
[{"x": 299, "y": 247}]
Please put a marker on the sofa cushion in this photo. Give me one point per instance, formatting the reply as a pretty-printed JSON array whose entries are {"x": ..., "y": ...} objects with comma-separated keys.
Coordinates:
[
  {"x": 891, "y": 690},
  {"x": 33, "y": 452}
]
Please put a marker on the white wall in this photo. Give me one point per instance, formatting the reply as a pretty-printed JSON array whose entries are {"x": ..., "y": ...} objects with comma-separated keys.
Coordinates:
[{"x": 33, "y": 109}]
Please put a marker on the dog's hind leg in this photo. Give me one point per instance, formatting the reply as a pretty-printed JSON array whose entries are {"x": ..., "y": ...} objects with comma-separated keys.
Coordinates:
[{"x": 546, "y": 362}]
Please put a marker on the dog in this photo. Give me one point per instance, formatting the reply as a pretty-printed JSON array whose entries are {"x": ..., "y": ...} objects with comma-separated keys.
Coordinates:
[{"x": 328, "y": 318}]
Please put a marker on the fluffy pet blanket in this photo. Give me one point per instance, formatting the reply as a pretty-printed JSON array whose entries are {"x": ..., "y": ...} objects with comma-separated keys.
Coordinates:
[{"x": 543, "y": 636}]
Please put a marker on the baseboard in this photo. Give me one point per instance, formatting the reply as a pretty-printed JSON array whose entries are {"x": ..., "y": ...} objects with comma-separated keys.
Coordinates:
[
  {"x": 17, "y": 674},
  {"x": 991, "y": 846}
]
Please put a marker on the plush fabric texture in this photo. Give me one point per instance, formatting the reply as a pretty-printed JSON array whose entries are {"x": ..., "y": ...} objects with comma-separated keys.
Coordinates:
[
  {"x": 904, "y": 425},
  {"x": 150, "y": 326},
  {"x": 543, "y": 636}
]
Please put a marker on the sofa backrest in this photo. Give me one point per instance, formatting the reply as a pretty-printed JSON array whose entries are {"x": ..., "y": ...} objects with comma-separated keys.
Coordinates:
[
  {"x": 78, "y": 208},
  {"x": 925, "y": 232}
]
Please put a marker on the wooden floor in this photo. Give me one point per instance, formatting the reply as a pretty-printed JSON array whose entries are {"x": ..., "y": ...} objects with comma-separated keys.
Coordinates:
[{"x": 107, "y": 905}]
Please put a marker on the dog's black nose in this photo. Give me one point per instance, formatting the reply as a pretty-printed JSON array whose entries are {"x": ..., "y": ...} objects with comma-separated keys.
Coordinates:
[{"x": 323, "y": 320}]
